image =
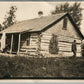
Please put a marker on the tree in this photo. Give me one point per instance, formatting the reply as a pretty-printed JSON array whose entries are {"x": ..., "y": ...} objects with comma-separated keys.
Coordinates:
[
  {"x": 74, "y": 10},
  {"x": 1, "y": 28},
  {"x": 10, "y": 19}
]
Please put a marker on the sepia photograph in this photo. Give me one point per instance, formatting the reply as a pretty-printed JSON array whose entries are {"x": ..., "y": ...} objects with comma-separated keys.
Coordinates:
[{"x": 42, "y": 40}]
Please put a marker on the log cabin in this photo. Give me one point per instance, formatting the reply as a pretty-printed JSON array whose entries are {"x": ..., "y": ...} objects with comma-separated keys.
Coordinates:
[{"x": 32, "y": 37}]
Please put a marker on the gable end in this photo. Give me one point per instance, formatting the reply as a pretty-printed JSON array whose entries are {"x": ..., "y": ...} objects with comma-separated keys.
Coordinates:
[{"x": 71, "y": 20}]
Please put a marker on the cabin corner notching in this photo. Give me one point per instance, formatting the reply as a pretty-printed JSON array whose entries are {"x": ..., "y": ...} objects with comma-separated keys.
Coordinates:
[{"x": 34, "y": 37}]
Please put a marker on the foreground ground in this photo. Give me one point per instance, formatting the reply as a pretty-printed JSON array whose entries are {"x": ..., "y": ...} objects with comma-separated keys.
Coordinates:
[{"x": 41, "y": 67}]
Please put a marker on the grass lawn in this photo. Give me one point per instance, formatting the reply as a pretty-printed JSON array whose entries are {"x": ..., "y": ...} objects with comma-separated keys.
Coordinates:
[{"x": 41, "y": 67}]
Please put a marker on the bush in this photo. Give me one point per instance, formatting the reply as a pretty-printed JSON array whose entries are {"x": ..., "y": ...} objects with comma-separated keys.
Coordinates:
[
  {"x": 82, "y": 49},
  {"x": 53, "y": 46}
]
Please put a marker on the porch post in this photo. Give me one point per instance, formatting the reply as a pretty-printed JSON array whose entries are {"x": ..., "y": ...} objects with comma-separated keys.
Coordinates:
[
  {"x": 19, "y": 43},
  {"x": 11, "y": 44}
]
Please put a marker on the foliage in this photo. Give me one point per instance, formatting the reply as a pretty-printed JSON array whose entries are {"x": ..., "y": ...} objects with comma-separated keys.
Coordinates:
[
  {"x": 82, "y": 49},
  {"x": 41, "y": 67},
  {"x": 53, "y": 46},
  {"x": 1, "y": 27},
  {"x": 10, "y": 17},
  {"x": 74, "y": 10}
]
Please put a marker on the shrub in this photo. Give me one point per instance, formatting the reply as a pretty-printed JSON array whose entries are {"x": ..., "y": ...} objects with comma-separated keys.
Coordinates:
[
  {"x": 82, "y": 49},
  {"x": 53, "y": 46}
]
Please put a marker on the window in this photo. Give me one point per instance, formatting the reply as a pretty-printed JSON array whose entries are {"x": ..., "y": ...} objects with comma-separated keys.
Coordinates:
[
  {"x": 65, "y": 23},
  {"x": 28, "y": 40}
]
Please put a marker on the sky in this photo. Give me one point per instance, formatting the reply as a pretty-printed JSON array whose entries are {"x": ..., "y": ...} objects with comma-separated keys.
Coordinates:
[{"x": 29, "y": 9}]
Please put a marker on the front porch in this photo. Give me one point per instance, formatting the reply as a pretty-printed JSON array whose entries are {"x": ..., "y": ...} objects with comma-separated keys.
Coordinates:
[
  {"x": 12, "y": 43},
  {"x": 20, "y": 44}
]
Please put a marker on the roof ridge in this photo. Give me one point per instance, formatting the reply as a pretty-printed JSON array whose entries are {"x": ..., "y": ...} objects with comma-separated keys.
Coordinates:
[
  {"x": 41, "y": 17},
  {"x": 36, "y": 24}
]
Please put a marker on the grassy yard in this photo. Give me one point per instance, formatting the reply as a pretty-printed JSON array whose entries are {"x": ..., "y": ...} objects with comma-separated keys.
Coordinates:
[{"x": 41, "y": 67}]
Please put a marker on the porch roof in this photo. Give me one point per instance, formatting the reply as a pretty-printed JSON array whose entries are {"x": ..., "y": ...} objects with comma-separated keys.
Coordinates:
[{"x": 33, "y": 25}]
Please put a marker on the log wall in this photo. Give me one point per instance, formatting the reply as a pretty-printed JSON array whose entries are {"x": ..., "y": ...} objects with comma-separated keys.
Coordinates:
[
  {"x": 40, "y": 44},
  {"x": 64, "y": 44},
  {"x": 32, "y": 48}
]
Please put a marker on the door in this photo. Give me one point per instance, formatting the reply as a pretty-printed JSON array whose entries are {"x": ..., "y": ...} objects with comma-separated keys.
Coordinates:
[{"x": 15, "y": 43}]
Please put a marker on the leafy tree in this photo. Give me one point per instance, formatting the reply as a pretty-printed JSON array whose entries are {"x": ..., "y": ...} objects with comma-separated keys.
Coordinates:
[
  {"x": 1, "y": 28},
  {"x": 10, "y": 19},
  {"x": 74, "y": 10}
]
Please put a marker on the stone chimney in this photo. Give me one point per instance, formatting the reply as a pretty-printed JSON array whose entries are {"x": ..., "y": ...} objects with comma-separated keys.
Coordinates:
[{"x": 40, "y": 13}]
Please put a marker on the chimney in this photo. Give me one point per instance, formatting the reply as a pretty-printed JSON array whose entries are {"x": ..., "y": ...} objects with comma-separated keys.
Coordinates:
[{"x": 40, "y": 13}]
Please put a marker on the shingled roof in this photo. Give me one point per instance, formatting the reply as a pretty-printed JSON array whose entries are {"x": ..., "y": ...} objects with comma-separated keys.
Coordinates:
[
  {"x": 31, "y": 25},
  {"x": 38, "y": 24}
]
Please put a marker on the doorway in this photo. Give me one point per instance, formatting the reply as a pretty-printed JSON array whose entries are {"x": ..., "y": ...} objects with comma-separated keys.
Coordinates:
[{"x": 15, "y": 43}]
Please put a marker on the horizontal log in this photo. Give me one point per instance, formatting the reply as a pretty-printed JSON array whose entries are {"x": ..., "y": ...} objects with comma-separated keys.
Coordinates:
[
  {"x": 33, "y": 38},
  {"x": 67, "y": 51},
  {"x": 44, "y": 33},
  {"x": 68, "y": 39},
  {"x": 69, "y": 54},
  {"x": 23, "y": 53},
  {"x": 69, "y": 47},
  {"x": 31, "y": 51},
  {"x": 44, "y": 47},
  {"x": 29, "y": 47},
  {"x": 45, "y": 43},
  {"x": 46, "y": 36},
  {"x": 65, "y": 43},
  {"x": 45, "y": 40},
  {"x": 43, "y": 52},
  {"x": 22, "y": 50}
]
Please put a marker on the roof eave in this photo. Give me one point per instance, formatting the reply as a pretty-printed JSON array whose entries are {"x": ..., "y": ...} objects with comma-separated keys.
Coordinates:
[{"x": 75, "y": 26}]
